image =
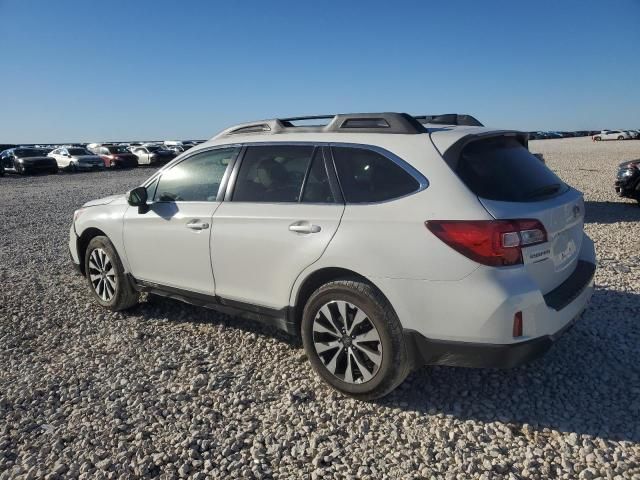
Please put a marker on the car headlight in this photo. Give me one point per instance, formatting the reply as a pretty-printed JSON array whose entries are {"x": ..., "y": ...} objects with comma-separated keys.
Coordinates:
[
  {"x": 20, "y": 160},
  {"x": 626, "y": 173}
]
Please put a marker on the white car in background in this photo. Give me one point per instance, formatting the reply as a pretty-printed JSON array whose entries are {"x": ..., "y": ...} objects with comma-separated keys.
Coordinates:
[
  {"x": 384, "y": 241},
  {"x": 633, "y": 134},
  {"x": 76, "y": 159},
  {"x": 612, "y": 135}
]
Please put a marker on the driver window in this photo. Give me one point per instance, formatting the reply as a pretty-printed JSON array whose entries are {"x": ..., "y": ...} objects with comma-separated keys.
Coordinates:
[
  {"x": 196, "y": 179},
  {"x": 272, "y": 173}
]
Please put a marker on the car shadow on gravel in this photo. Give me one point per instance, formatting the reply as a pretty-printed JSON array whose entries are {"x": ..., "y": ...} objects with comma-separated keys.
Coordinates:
[
  {"x": 588, "y": 383},
  {"x": 612, "y": 212}
]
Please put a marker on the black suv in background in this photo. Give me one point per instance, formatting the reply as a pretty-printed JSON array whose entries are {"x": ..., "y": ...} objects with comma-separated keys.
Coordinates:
[
  {"x": 25, "y": 160},
  {"x": 628, "y": 180}
]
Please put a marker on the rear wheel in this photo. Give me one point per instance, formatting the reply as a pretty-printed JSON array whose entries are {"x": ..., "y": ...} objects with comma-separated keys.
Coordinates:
[
  {"x": 620, "y": 137},
  {"x": 106, "y": 277},
  {"x": 354, "y": 339},
  {"x": 597, "y": 139}
]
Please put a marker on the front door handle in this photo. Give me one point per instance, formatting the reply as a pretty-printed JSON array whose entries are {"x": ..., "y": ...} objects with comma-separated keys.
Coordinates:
[
  {"x": 304, "y": 227},
  {"x": 197, "y": 225}
]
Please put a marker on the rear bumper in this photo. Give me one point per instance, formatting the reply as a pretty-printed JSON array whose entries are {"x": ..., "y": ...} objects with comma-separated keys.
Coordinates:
[
  {"x": 88, "y": 166},
  {"x": 425, "y": 351}
]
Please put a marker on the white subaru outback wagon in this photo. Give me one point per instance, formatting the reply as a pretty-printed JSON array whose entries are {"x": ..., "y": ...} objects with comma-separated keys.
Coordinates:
[{"x": 385, "y": 241}]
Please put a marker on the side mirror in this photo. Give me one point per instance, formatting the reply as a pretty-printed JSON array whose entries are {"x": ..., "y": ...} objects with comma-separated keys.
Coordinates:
[{"x": 138, "y": 198}]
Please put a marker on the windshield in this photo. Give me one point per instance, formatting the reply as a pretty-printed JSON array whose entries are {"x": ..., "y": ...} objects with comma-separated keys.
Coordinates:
[
  {"x": 29, "y": 152},
  {"x": 78, "y": 151},
  {"x": 153, "y": 148},
  {"x": 117, "y": 149},
  {"x": 501, "y": 168}
]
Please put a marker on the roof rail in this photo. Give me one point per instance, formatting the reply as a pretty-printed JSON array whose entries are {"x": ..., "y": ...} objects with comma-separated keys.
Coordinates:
[
  {"x": 388, "y": 122},
  {"x": 450, "y": 119}
]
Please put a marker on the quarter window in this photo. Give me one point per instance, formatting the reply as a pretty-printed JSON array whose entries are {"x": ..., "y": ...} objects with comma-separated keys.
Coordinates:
[
  {"x": 272, "y": 174},
  {"x": 367, "y": 176},
  {"x": 196, "y": 179}
]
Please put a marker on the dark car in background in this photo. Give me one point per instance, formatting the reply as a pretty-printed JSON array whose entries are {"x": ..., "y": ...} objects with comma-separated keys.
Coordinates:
[
  {"x": 116, "y": 156},
  {"x": 628, "y": 180},
  {"x": 23, "y": 160}
]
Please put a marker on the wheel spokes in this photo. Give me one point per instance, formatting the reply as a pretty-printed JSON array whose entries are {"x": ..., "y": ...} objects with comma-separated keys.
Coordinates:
[
  {"x": 347, "y": 342},
  {"x": 102, "y": 274}
]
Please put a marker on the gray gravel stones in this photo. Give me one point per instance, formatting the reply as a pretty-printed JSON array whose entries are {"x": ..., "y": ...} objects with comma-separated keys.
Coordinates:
[{"x": 169, "y": 390}]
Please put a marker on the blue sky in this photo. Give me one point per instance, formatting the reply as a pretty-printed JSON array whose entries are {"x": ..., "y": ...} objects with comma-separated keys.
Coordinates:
[{"x": 104, "y": 70}]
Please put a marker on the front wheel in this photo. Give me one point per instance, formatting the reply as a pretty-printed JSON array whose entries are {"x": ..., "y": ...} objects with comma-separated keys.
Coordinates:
[
  {"x": 620, "y": 137},
  {"x": 106, "y": 276},
  {"x": 597, "y": 139},
  {"x": 354, "y": 339}
]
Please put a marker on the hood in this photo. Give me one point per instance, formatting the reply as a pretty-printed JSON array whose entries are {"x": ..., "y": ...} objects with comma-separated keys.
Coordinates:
[
  {"x": 104, "y": 201},
  {"x": 630, "y": 162}
]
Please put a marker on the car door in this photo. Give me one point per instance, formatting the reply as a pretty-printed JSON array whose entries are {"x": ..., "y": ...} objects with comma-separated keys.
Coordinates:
[
  {"x": 278, "y": 217},
  {"x": 168, "y": 243}
]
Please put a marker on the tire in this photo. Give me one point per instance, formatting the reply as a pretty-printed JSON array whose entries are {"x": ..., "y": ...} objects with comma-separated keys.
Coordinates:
[
  {"x": 373, "y": 310},
  {"x": 112, "y": 288},
  {"x": 73, "y": 167},
  {"x": 620, "y": 137},
  {"x": 20, "y": 170},
  {"x": 597, "y": 139}
]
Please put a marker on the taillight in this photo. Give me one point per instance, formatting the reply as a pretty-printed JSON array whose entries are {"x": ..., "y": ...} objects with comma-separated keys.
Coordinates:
[{"x": 495, "y": 243}]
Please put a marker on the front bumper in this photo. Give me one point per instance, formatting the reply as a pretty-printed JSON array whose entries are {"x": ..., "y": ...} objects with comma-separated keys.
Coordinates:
[
  {"x": 627, "y": 187},
  {"x": 73, "y": 249}
]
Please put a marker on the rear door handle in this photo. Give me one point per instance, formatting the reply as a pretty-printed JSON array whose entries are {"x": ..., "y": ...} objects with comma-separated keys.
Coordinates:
[
  {"x": 197, "y": 225},
  {"x": 304, "y": 227}
]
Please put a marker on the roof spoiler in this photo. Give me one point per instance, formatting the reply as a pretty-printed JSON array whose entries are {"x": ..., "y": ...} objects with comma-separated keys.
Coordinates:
[{"x": 450, "y": 119}]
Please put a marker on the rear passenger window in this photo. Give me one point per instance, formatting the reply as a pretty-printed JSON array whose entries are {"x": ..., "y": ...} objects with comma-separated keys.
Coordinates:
[
  {"x": 196, "y": 179},
  {"x": 317, "y": 188},
  {"x": 273, "y": 173},
  {"x": 367, "y": 176}
]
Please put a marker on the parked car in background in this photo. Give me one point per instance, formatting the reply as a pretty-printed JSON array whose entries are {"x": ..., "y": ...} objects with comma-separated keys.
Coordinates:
[
  {"x": 628, "y": 180},
  {"x": 115, "y": 156},
  {"x": 77, "y": 159},
  {"x": 153, "y": 155},
  {"x": 23, "y": 160},
  {"x": 361, "y": 237},
  {"x": 611, "y": 135},
  {"x": 633, "y": 134}
]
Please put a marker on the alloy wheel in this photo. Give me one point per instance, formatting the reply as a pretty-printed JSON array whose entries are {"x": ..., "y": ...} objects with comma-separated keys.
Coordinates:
[
  {"x": 102, "y": 274},
  {"x": 347, "y": 342}
]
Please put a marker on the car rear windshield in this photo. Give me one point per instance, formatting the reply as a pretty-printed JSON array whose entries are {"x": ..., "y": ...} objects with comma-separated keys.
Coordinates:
[
  {"x": 78, "y": 151},
  {"x": 117, "y": 149},
  {"x": 501, "y": 168}
]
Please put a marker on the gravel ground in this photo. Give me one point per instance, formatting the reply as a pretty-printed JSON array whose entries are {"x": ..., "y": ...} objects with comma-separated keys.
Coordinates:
[{"x": 172, "y": 390}]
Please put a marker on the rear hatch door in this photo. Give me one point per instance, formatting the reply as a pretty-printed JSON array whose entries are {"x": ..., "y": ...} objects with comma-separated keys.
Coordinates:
[{"x": 511, "y": 183}]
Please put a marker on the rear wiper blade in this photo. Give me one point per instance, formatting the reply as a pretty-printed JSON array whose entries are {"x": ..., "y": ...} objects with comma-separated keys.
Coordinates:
[{"x": 544, "y": 191}]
